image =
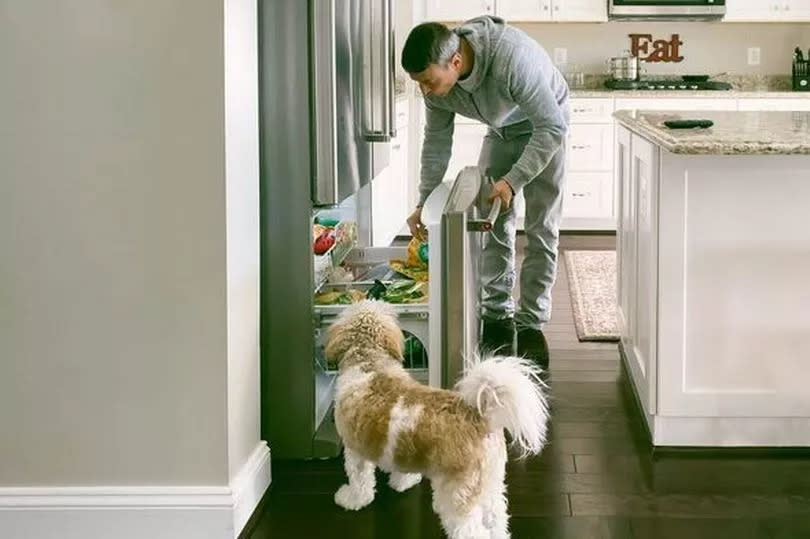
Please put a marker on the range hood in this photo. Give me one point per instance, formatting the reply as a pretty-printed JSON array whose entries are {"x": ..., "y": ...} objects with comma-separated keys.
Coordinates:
[{"x": 666, "y": 10}]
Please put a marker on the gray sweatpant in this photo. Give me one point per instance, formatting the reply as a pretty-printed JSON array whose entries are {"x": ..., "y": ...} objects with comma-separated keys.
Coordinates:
[{"x": 543, "y": 196}]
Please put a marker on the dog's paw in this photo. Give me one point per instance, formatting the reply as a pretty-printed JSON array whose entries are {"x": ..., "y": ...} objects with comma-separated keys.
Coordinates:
[
  {"x": 353, "y": 499},
  {"x": 403, "y": 481}
]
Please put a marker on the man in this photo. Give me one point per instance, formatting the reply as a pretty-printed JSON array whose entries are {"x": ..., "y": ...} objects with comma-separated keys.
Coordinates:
[{"x": 494, "y": 73}]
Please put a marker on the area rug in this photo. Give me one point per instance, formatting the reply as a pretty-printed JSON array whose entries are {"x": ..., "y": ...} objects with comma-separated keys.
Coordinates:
[{"x": 592, "y": 281}]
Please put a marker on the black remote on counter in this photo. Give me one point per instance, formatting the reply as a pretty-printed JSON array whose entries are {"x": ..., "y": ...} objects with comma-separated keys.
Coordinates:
[{"x": 688, "y": 124}]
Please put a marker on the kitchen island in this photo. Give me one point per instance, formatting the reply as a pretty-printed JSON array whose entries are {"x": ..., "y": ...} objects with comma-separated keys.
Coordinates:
[{"x": 713, "y": 252}]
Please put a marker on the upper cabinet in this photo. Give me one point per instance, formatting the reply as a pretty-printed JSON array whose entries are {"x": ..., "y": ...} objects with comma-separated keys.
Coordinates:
[
  {"x": 457, "y": 10},
  {"x": 518, "y": 10},
  {"x": 767, "y": 11},
  {"x": 577, "y": 10}
]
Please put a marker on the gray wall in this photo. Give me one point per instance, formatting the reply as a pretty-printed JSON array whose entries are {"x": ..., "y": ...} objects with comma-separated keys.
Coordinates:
[{"x": 117, "y": 287}]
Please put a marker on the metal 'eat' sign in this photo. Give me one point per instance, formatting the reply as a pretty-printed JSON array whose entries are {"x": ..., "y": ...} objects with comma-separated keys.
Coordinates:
[{"x": 659, "y": 50}]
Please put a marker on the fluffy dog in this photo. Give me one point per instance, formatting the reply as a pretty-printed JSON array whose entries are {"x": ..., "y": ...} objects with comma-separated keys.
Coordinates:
[{"x": 454, "y": 438}]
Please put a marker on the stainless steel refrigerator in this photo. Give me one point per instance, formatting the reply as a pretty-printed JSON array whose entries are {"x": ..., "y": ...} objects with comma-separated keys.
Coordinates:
[{"x": 326, "y": 106}]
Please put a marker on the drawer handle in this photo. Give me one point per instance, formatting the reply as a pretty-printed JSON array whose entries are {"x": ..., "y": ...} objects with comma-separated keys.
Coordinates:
[
  {"x": 583, "y": 110},
  {"x": 579, "y": 195},
  {"x": 581, "y": 146}
]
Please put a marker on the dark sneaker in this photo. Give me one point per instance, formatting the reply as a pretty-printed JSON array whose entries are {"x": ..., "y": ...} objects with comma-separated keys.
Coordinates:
[
  {"x": 499, "y": 336},
  {"x": 531, "y": 344}
]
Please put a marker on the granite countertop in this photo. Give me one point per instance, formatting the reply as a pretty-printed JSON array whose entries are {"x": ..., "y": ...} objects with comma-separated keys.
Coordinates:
[
  {"x": 733, "y": 133},
  {"x": 720, "y": 94},
  {"x": 743, "y": 86}
]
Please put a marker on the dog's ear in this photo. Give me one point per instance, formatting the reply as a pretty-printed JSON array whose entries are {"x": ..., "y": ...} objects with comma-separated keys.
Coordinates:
[
  {"x": 393, "y": 340},
  {"x": 336, "y": 343}
]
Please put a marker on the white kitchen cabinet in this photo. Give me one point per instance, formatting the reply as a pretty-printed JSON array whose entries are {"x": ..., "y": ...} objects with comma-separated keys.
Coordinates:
[
  {"x": 591, "y": 110},
  {"x": 524, "y": 10},
  {"x": 676, "y": 103},
  {"x": 638, "y": 288},
  {"x": 578, "y": 10},
  {"x": 468, "y": 137},
  {"x": 767, "y": 11},
  {"x": 588, "y": 195},
  {"x": 590, "y": 148},
  {"x": 389, "y": 190},
  {"x": 625, "y": 241},
  {"x": 800, "y": 104},
  {"x": 457, "y": 10},
  {"x": 552, "y": 10}
]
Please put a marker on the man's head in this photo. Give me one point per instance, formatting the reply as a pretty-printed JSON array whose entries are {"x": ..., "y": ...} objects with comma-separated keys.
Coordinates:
[{"x": 432, "y": 57}]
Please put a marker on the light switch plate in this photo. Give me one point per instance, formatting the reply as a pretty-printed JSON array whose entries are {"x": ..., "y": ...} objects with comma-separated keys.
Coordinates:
[
  {"x": 560, "y": 56},
  {"x": 753, "y": 56}
]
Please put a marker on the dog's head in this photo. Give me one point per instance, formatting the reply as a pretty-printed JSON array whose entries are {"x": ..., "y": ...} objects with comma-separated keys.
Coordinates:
[{"x": 368, "y": 325}]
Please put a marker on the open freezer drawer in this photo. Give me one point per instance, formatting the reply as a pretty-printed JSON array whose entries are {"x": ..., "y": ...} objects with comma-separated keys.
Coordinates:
[
  {"x": 364, "y": 265},
  {"x": 453, "y": 216}
]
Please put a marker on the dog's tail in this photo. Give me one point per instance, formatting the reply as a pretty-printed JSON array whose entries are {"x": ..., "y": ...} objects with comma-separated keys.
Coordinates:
[{"x": 508, "y": 391}]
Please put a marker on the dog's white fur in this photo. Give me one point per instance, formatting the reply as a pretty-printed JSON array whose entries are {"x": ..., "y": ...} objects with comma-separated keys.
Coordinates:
[{"x": 454, "y": 438}]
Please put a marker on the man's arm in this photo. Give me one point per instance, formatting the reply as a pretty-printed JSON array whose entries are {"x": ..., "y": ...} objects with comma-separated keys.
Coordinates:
[
  {"x": 532, "y": 93},
  {"x": 436, "y": 147}
]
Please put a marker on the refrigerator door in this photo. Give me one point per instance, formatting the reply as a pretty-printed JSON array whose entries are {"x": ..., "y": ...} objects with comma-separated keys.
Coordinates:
[
  {"x": 352, "y": 48},
  {"x": 462, "y": 242}
]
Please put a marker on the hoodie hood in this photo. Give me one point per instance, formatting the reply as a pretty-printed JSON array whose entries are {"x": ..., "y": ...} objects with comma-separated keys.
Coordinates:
[{"x": 483, "y": 34}]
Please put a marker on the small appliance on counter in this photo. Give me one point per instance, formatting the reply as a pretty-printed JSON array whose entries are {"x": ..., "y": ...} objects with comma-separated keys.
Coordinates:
[
  {"x": 625, "y": 67},
  {"x": 801, "y": 71}
]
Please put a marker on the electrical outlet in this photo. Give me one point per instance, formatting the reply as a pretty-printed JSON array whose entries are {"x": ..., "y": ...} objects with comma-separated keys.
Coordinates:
[
  {"x": 560, "y": 56},
  {"x": 753, "y": 56}
]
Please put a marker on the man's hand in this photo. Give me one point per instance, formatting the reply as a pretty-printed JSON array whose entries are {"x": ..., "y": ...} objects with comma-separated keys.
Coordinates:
[
  {"x": 415, "y": 224},
  {"x": 503, "y": 191}
]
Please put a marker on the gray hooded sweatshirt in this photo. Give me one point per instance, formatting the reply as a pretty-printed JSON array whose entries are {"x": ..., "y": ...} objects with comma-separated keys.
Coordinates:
[{"x": 513, "y": 83}]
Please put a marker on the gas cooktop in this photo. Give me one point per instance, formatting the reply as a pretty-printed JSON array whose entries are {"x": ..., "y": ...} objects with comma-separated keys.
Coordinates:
[{"x": 666, "y": 84}]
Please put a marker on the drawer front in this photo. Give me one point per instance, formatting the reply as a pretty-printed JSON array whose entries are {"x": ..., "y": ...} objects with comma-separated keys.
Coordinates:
[
  {"x": 788, "y": 104},
  {"x": 683, "y": 104},
  {"x": 590, "y": 148},
  {"x": 591, "y": 111},
  {"x": 588, "y": 195}
]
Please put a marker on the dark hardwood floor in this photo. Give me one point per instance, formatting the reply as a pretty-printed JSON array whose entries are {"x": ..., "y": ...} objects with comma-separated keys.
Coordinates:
[{"x": 597, "y": 478}]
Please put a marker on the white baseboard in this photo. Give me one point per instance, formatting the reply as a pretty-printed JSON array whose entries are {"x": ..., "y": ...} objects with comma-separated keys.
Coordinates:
[
  {"x": 250, "y": 484},
  {"x": 136, "y": 512}
]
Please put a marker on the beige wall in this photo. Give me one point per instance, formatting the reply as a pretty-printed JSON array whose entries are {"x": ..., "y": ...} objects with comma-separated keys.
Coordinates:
[
  {"x": 129, "y": 259},
  {"x": 708, "y": 48}
]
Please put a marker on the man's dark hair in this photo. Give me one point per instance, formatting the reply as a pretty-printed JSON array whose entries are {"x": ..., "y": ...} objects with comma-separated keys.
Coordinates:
[{"x": 428, "y": 43}]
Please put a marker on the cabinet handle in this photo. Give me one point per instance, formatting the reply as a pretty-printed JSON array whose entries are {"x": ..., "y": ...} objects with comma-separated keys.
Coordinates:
[
  {"x": 579, "y": 195},
  {"x": 545, "y": 7},
  {"x": 582, "y": 110},
  {"x": 580, "y": 146}
]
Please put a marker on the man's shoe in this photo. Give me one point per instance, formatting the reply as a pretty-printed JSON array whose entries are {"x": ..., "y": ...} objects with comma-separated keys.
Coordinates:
[
  {"x": 499, "y": 336},
  {"x": 531, "y": 344}
]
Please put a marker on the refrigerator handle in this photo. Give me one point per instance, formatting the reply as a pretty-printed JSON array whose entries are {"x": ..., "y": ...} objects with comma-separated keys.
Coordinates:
[
  {"x": 380, "y": 103},
  {"x": 485, "y": 225},
  {"x": 324, "y": 118}
]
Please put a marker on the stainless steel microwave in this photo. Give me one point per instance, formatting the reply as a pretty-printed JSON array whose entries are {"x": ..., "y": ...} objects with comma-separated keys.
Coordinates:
[{"x": 667, "y": 9}]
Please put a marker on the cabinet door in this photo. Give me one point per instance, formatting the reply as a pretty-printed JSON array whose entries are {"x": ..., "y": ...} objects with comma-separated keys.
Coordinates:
[
  {"x": 588, "y": 195},
  {"x": 797, "y": 10},
  {"x": 774, "y": 104},
  {"x": 457, "y": 10},
  {"x": 750, "y": 10},
  {"x": 579, "y": 10},
  {"x": 590, "y": 148},
  {"x": 524, "y": 10},
  {"x": 642, "y": 355},
  {"x": 625, "y": 238}
]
